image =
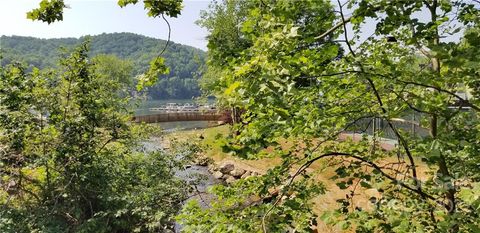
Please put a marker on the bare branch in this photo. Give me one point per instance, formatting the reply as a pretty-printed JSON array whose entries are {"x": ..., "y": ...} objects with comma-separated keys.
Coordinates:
[
  {"x": 345, "y": 28},
  {"x": 169, "y": 33}
]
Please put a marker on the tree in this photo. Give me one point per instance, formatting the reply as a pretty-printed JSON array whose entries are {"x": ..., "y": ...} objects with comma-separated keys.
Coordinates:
[
  {"x": 116, "y": 70},
  {"x": 281, "y": 34},
  {"x": 295, "y": 85},
  {"x": 70, "y": 159}
]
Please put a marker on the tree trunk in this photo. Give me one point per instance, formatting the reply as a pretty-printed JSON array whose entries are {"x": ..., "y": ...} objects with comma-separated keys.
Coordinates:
[{"x": 444, "y": 173}]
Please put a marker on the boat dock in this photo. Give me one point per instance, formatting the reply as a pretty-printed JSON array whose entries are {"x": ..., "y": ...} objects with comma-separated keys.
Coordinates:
[{"x": 188, "y": 107}]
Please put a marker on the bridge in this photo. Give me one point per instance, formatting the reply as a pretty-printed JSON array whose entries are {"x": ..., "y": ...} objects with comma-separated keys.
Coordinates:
[{"x": 178, "y": 116}]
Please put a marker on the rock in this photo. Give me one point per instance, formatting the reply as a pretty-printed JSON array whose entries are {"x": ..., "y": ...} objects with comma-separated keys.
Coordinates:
[
  {"x": 188, "y": 166},
  {"x": 212, "y": 168},
  {"x": 227, "y": 168},
  {"x": 255, "y": 174},
  {"x": 246, "y": 174},
  {"x": 230, "y": 179},
  {"x": 273, "y": 191},
  {"x": 203, "y": 161},
  {"x": 218, "y": 175},
  {"x": 237, "y": 172}
]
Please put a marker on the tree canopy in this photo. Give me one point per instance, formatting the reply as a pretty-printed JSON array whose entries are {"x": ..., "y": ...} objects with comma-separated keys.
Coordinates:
[{"x": 289, "y": 76}]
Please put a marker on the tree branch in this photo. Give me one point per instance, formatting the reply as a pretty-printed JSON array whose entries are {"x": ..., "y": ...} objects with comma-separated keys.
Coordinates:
[
  {"x": 397, "y": 134},
  {"x": 439, "y": 89},
  {"x": 320, "y": 37},
  {"x": 345, "y": 28},
  {"x": 371, "y": 164},
  {"x": 169, "y": 33}
]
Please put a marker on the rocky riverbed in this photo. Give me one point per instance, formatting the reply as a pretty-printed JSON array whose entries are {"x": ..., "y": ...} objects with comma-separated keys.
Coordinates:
[{"x": 226, "y": 171}]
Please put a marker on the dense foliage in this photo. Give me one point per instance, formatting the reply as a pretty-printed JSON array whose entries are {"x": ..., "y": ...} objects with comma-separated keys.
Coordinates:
[
  {"x": 70, "y": 161},
  {"x": 281, "y": 64},
  {"x": 183, "y": 61}
]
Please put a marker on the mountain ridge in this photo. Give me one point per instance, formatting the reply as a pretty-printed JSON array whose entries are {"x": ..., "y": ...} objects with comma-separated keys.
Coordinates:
[
  {"x": 184, "y": 60},
  {"x": 109, "y": 33}
]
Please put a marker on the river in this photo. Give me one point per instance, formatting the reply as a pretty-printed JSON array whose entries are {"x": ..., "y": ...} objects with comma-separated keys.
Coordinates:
[{"x": 192, "y": 174}]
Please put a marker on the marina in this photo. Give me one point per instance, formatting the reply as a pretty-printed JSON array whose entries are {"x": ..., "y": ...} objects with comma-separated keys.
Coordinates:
[{"x": 186, "y": 107}]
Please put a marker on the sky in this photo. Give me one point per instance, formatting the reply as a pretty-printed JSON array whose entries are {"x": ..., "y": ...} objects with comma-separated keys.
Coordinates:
[{"x": 92, "y": 17}]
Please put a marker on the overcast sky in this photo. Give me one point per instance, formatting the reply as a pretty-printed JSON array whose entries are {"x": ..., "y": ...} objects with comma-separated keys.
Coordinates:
[{"x": 92, "y": 17}]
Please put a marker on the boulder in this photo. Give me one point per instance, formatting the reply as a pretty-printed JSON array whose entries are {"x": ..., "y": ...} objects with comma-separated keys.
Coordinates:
[
  {"x": 237, "y": 172},
  {"x": 227, "y": 168},
  {"x": 217, "y": 175},
  {"x": 255, "y": 174},
  {"x": 230, "y": 179},
  {"x": 246, "y": 174}
]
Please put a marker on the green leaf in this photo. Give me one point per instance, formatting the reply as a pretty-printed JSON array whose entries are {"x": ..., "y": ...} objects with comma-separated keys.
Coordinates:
[
  {"x": 157, "y": 68},
  {"x": 49, "y": 11}
]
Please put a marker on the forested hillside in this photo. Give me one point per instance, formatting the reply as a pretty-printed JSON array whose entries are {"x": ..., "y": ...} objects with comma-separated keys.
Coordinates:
[{"x": 183, "y": 61}]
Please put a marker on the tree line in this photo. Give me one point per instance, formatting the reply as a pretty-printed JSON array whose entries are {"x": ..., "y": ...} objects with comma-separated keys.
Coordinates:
[{"x": 184, "y": 62}]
